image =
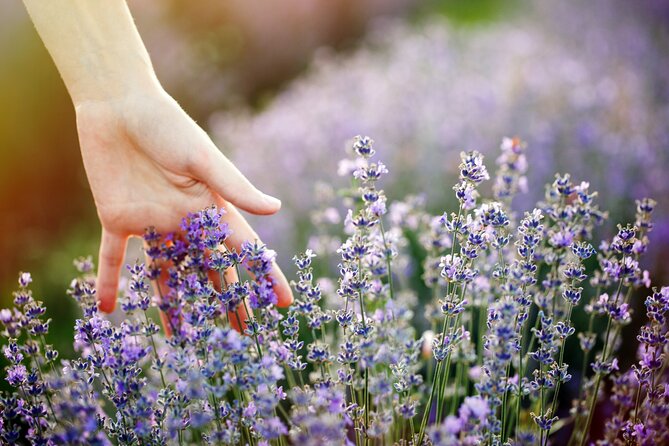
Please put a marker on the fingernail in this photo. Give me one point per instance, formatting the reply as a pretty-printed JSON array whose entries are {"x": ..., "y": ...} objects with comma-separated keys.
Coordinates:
[{"x": 272, "y": 201}]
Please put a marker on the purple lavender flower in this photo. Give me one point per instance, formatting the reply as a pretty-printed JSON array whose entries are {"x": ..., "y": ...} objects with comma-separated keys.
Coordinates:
[
  {"x": 353, "y": 362},
  {"x": 16, "y": 375},
  {"x": 584, "y": 106}
]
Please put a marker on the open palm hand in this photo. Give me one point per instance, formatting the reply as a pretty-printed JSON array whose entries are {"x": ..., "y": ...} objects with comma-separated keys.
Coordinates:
[{"x": 149, "y": 163}]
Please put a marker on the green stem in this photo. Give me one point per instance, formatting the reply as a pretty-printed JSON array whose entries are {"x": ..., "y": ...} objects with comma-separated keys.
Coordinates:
[
  {"x": 364, "y": 325},
  {"x": 367, "y": 405},
  {"x": 584, "y": 438},
  {"x": 216, "y": 414},
  {"x": 155, "y": 354},
  {"x": 440, "y": 364},
  {"x": 456, "y": 395},
  {"x": 388, "y": 261},
  {"x": 354, "y": 399},
  {"x": 46, "y": 390},
  {"x": 593, "y": 402},
  {"x": 428, "y": 408},
  {"x": 562, "y": 348},
  {"x": 482, "y": 320},
  {"x": 584, "y": 366},
  {"x": 532, "y": 342},
  {"x": 636, "y": 404},
  {"x": 442, "y": 388},
  {"x": 447, "y": 363},
  {"x": 503, "y": 417},
  {"x": 542, "y": 402},
  {"x": 520, "y": 393}
]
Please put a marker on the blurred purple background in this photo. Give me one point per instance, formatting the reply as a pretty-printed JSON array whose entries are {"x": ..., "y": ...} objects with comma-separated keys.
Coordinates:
[{"x": 286, "y": 84}]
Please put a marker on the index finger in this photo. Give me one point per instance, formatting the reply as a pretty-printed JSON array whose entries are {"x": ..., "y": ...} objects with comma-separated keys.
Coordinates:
[{"x": 112, "y": 253}]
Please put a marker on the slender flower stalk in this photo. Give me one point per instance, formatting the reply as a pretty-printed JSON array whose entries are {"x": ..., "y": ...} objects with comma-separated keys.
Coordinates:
[{"x": 349, "y": 362}]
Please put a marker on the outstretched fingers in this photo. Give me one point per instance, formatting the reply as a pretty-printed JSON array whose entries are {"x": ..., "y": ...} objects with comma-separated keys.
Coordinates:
[
  {"x": 242, "y": 231},
  {"x": 218, "y": 172},
  {"x": 112, "y": 253},
  {"x": 237, "y": 318}
]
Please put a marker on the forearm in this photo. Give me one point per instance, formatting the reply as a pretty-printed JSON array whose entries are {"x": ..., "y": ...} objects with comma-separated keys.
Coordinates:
[{"x": 95, "y": 46}]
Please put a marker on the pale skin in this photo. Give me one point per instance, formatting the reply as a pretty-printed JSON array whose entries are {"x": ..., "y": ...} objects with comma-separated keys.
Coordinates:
[{"x": 147, "y": 161}]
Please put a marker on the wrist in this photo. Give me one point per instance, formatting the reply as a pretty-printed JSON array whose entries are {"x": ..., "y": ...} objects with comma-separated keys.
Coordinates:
[
  {"x": 95, "y": 46},
  {"x": 113, "y": 81}
]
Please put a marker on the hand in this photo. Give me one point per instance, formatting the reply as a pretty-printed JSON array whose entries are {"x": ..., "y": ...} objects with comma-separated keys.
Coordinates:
[{"x": 149, "y": 163}]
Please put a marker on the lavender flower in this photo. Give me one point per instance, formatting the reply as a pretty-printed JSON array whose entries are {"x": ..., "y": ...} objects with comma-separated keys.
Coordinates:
[
  {"x": 594, "y": 105},
  {"x": 352, "y": 361}
]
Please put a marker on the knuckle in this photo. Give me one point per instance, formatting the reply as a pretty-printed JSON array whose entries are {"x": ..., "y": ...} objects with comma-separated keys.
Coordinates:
[{"x": 111, "y": 257}]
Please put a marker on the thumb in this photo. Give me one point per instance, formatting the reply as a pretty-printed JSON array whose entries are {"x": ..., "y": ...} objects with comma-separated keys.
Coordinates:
[
  {"x": 112, "y": 253},
  {"x": 218, "y": 172}
]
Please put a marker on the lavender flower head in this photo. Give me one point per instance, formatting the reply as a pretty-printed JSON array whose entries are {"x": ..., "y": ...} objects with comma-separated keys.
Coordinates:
[{"x": 446, "y": 329}]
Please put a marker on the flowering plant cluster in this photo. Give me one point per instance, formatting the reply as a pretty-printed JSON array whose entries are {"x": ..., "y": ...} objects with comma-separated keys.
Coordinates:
[
  {"x": 593, "y": 104},
  {"x": 351, "y": 360}
]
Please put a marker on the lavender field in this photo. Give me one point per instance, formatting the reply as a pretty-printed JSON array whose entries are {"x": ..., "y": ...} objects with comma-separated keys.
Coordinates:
[
  {"x": 594, "y": 104},
  {"x": 473, "y": 227}
]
